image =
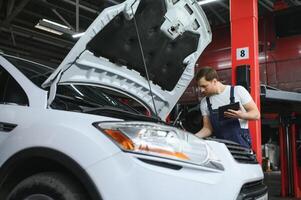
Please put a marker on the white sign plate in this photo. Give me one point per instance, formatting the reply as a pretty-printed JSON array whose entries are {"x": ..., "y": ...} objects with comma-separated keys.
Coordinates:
[{"x": 242, "y": 53}]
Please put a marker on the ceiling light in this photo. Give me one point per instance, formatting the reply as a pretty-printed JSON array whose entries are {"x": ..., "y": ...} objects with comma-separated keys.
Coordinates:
[
  {"x": 53, "y": 27},
  {"x": 38, "y": 26},
  {"x": 205, "y": 2},
  {"x": 55, "y": 23},
  {"x": 224, "y": 65},
  {"x": 77, "y": 35}
]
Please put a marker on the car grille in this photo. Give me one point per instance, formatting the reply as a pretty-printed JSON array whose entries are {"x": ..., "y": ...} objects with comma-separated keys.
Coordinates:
[
  {"x": 240, "y": 154},
  {"x": 252, "y": 190}
]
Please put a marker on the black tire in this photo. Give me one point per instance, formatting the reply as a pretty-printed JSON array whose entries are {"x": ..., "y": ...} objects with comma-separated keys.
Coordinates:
[{"x": 47, "y": 186}]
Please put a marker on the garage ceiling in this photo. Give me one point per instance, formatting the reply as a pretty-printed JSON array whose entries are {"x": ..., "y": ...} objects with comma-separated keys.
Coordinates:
[{"x": 19, "y": 36}]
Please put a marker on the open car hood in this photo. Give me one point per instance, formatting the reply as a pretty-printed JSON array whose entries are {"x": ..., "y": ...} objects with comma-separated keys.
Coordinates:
[{"x": 173, "y": 34}]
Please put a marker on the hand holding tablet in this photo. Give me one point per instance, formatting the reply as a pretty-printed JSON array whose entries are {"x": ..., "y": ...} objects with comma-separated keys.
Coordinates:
[{"x": 223, "y": 109}]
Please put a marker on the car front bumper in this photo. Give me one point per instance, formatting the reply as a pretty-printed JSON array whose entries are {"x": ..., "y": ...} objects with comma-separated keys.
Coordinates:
[{"x": 136, "y": 177}]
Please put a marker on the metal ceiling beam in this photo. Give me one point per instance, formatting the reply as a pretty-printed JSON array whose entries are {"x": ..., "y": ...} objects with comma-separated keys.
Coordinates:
[
  {"x": 113, "y": 2},
  {"x": 47, "y": 4},
  {"x": 29, "y": 12},
  {"x": 10, "y": 7},
  {"x": 13, "y": 38},
  {"x": 1, "y": 3},
  {"x": 29, "y": 49},
  {"x": 269, "y": 3},
  {"x": 40, "y": 17},
  {"x": 292, "y": 2},
  {"x": 39, "y": 58},
  {"x": 15, "y": 12},
  {"x": 92, "y": 6},
  {"x": 265, "y": 6},
  {"x": 82, "y": 7},
  {"x": 296, "y": 2},
  {"x": 39, "y": 36},
  {"x": 41, "y": 40},
  {"x": 219, "y": 17},
  {"x": 77, "y": 15},
  {"x": 9, "y": 50},
  {"x": 62, "y": 18},
  {"x": 223, "y": 4}
]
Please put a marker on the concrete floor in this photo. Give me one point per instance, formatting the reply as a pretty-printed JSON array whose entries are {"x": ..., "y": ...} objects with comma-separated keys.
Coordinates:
[{"x": 272, "y": 180}]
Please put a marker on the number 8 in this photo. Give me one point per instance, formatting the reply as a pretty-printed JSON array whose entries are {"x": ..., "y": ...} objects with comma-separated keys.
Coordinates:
[{"x": 242, "y": 53}]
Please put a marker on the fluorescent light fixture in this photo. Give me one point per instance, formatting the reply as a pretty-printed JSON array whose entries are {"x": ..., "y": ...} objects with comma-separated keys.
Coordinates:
[
  {"x": 205, "y": 2},
  {"x": 77, "y": 35},
  {"x": 38, "y": 26},
  {"x": 55, "y": 23},
  {"x": 300, "y": 51},
  {"x": 224, "y": 65},
  {"x": 53, "y": 27}
]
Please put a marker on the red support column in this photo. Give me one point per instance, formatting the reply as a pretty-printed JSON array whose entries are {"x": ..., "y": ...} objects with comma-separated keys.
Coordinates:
[
  {"x": 244, "y": 51},
  {"x": 296, "y": 168},
  {"x": 283, "y": 162}
]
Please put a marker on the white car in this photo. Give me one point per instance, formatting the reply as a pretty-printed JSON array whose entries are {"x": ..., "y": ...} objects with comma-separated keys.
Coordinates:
[{"x": 94, "y": 129}]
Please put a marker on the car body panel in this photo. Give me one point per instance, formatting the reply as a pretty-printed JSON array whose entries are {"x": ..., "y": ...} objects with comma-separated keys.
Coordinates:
[
  {"x": 92, "y": 60},
  {"x": 139, "y": 180},
  {"x": 73, "y": 135},
  {"x": 68, "y": 132},
  {"x": 36, "y": 96}
]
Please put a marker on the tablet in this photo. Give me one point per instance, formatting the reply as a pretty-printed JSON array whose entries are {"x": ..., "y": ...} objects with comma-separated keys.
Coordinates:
[{"x": 222, "y": 109}]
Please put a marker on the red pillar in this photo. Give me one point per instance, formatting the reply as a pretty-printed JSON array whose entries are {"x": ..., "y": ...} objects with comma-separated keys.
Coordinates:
[
  {"x": 244, "y": 50},
  {"x": 296, "y": 168},
  {"x": 283, "y": 162}
]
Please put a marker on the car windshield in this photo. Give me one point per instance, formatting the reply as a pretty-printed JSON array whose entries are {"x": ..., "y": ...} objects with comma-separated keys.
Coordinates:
[
  {"x": 35, "y": 72},
  {"x": 89, "y": 99},
  {"x": 79, "y": 97}
]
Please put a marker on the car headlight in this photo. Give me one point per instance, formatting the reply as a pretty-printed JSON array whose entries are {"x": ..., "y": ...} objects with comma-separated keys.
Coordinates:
[{"x": 161, "y": 141}]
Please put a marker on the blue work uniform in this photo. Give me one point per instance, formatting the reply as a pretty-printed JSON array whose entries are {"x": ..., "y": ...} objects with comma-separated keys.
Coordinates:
[{"x": 228, "y": 129}]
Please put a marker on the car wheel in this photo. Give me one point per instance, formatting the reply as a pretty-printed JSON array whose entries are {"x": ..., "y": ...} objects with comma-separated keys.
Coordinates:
[{"x": 47, "y": 186}]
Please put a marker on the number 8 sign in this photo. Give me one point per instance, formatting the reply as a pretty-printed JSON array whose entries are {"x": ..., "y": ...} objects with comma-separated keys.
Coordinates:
[{"x": 242, "y": 53}]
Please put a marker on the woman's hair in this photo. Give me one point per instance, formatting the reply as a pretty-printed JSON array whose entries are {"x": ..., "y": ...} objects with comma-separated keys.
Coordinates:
[{"x": 208, "y": 73}]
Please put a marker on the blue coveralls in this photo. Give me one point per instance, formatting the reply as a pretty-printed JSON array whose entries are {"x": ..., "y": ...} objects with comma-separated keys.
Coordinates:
[{"x": 228, "y": 129}]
